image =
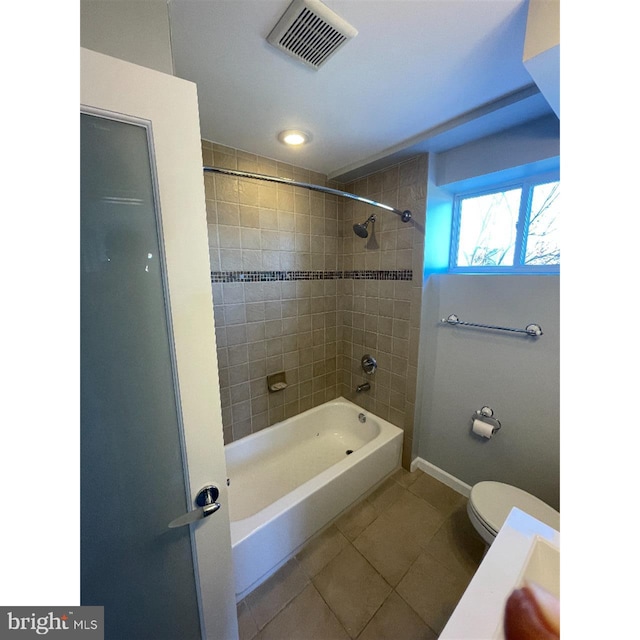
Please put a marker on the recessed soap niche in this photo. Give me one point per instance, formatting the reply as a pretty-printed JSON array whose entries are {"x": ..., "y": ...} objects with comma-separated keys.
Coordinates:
[{"x": 277, "y": 382}]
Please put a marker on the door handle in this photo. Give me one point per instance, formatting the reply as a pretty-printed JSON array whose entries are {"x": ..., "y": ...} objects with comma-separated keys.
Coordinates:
[{"x": 206, "y": 501}]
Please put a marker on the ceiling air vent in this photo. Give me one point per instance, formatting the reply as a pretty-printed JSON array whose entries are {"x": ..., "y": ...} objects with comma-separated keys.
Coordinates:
[{"x": 310, "y": 32}]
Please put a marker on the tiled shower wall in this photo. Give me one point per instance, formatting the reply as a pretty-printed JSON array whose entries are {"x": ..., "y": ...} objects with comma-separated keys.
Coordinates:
[
  {"x": 382, "y": 318},
  {"x": 295, "y": 290}
]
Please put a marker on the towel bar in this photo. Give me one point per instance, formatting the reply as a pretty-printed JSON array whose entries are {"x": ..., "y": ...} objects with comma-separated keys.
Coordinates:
[{"x": 533, "y": 330}]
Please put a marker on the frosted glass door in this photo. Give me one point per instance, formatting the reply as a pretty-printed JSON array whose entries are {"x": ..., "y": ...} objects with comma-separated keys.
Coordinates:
[{"x": 132, "y": 473}]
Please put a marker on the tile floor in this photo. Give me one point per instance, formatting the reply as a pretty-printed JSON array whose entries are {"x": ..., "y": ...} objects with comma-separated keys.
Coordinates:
[{"x": 392, "y": 567}]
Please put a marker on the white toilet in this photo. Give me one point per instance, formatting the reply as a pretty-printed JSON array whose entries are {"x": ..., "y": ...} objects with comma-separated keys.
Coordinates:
[{"x": 491, "y": 502}]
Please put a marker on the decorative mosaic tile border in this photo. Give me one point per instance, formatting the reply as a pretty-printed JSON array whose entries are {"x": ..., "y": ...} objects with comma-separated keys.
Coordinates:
[
  {"x": 400, "y": 274},
  {"x": 273, "y": 276}
]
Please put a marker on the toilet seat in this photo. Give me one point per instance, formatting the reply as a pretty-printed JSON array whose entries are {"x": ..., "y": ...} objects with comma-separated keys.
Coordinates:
[{"x": 491, "y": 502}]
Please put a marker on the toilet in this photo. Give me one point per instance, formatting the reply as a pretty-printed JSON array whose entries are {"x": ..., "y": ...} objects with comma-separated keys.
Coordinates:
[{"x": 491, "y": 502}]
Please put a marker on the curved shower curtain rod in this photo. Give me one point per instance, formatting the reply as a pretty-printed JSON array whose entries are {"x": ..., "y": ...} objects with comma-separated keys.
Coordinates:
[{"x": 405, "y": 215}]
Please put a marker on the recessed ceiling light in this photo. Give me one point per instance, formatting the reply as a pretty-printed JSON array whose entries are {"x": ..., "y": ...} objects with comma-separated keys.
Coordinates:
[{"x": 294, "y": 137}]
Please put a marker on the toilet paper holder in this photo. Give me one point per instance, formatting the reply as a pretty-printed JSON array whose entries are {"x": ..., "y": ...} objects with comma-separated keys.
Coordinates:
[{"x": 486, "y": 415}]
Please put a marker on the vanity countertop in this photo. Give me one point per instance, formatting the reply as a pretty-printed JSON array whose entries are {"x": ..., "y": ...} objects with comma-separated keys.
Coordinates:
[{"x": 523, "y": 548}]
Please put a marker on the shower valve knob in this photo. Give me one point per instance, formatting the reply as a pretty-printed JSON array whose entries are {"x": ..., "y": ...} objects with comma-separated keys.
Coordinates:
[{"x": 369, "y": 364}]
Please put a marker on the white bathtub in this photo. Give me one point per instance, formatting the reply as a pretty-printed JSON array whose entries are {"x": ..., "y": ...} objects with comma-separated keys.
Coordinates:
[{"x": 293, "y": 478}]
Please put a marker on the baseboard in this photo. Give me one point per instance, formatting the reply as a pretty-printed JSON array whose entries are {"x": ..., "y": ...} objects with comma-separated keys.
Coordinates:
[{"x": 439, "y": 474}]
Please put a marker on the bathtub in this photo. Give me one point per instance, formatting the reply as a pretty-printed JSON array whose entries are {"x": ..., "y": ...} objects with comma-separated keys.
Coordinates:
[{"x": 290, "y": 480}]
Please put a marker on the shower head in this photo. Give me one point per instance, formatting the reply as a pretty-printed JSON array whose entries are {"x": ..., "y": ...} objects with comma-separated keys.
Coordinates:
[{"x": 361, "y": 229}]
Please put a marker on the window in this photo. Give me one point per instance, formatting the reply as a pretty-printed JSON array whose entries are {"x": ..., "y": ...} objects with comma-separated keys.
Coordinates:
[{"x": 511, "y": 228}]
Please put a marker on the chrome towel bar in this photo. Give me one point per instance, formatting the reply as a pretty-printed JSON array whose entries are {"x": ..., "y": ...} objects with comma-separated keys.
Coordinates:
[{"x": 533, "y": 330}]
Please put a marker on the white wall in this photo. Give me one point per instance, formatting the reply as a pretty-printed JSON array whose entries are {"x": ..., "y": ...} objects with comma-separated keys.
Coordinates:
[
  {"x": 133, "y": 30},
  {"x": 543, "y": 27},
  {"x": 464, "y": 369},
  {"x": 541, "y": 54},
  {"x": 520, "y": 146}
]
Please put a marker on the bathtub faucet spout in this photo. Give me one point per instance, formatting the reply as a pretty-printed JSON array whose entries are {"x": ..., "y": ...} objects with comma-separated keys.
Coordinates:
[{"x": 365, "y": 386}]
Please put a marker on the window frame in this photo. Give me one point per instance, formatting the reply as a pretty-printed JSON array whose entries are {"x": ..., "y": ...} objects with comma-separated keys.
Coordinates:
[{"x": 522, "y": 226}]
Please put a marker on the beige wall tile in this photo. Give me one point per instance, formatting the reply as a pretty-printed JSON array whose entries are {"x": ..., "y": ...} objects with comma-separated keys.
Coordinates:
[{"x": 266, "y": 227}]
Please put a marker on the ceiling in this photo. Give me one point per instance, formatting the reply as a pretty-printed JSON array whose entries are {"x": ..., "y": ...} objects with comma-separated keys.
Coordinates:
[{"x": 421, "y": 75}]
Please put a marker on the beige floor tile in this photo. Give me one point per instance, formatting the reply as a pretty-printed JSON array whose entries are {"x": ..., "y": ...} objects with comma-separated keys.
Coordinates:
[
  {"x": 432, "y": 591},
  {"x": 457, "y": 545},
  {"x": 406, "y": 478},
  {"x": 356, "y": 520},
  {"x": 385, "y": 495},
  {"x": 319, "y": 551},
  {"x": 437, "y": 494},
  {"x": 413, "y": 533},
  {"x": 307, "y": 617},
  {"x": 274, "y": 594},
  {"x": 396, "y": 620},
  {"x": 390, "y": 547},
  {"x": 352, "y": 588},
  {"x": 247, "y": 628},
  {"x": 418, "y": 517}
]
